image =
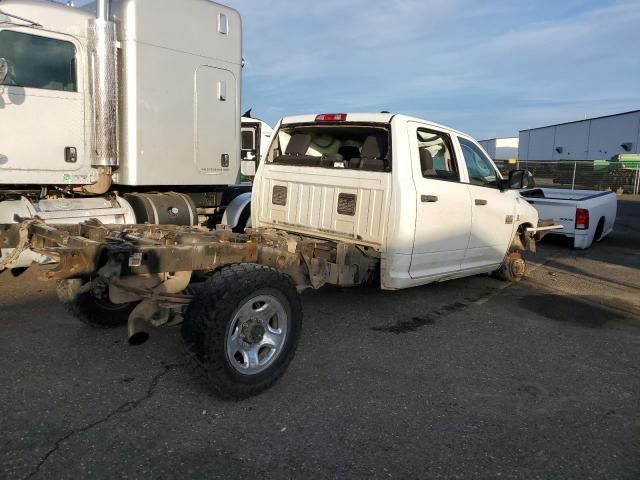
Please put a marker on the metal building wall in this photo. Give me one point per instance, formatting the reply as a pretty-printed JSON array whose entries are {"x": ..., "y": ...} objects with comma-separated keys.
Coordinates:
[{"x": 592, "y": 139}]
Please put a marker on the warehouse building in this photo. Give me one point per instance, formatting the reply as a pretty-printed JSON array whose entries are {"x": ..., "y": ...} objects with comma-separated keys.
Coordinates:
[
  {"x": 598, "y": 138},
  {"x": 501, "y": 148}
]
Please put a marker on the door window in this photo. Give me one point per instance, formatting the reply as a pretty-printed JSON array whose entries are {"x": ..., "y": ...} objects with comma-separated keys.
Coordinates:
[
  {"x": 480, "y": 168},
  {"x": 38, "y": 62},
  {"x": 436, "y": 156},
  {"x": 248, "y": 139}
]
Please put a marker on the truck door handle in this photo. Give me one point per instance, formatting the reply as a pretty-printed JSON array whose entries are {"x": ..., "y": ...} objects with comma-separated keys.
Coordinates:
[
  {"x": 480, "y": 201},
  {"x": 428, "y": 198}
]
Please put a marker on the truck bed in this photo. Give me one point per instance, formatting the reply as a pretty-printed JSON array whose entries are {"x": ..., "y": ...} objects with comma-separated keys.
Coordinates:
[{"x": 563, "y": 206}]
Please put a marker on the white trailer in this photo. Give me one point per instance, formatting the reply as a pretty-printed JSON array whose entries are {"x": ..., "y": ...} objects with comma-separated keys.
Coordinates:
[{"x": 104, "y": 115}]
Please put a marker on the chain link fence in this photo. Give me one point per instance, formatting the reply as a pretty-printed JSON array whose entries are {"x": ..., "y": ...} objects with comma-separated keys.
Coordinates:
[{"x": 619, "y": 177}]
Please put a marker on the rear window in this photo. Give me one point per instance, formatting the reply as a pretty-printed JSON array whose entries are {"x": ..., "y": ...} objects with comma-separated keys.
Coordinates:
[{"x": 353, "y": 146}]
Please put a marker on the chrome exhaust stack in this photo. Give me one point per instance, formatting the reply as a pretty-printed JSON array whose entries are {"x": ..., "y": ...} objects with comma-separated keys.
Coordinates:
[{"x": 104, "y": 86}]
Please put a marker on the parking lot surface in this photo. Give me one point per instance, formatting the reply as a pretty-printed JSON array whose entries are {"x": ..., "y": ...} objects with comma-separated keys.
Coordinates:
[{"x": 471, "y": 378}]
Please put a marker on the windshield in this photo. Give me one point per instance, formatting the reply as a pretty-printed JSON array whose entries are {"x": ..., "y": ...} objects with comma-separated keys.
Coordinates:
[{"x": 355, "y": 147}]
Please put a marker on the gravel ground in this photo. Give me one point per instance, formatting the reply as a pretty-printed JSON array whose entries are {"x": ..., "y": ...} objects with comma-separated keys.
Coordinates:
[{"x": 471, "y": 378}]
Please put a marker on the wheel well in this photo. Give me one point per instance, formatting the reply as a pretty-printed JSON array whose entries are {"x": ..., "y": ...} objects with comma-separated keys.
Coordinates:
[
  {"x": 520, "y": 240},
  {"x": 599, "y": 229}
]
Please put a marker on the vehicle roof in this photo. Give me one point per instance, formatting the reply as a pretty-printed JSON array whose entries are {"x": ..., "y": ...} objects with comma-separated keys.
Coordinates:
[
  {"x": 53, "y": 16},
  {"x": 370, "y": 118}
]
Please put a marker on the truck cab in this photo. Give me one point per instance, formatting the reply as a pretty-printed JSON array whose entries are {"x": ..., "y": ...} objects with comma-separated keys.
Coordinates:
[
  {"x": 423, "y": 198},
  {"x": 105, "y": 116}
]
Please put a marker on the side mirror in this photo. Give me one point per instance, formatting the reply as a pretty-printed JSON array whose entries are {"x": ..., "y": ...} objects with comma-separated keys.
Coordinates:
[
  {"x": 4, "y": 70},
  {"x": 520, "y": 179}
]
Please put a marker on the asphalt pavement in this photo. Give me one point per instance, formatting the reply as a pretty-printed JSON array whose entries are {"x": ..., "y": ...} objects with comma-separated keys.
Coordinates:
[{"x": 471, "y": 378}]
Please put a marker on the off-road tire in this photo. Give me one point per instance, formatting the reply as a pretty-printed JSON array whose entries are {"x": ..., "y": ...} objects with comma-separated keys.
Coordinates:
[
  {"x": 90, "y": 310},
  {"x": 507, "y": 272},
  {"x": 209, "y": 317}
]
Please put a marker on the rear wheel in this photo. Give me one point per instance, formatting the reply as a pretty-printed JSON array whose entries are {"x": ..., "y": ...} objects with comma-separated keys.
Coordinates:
[
  {"x": 513, "y": 268},
  {"x": 93, "y": 306},
  {"x": 243, "y": 327}
]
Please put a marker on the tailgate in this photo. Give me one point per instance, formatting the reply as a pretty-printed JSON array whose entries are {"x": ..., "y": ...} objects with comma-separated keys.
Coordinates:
[{"x": 563, "y": 212}]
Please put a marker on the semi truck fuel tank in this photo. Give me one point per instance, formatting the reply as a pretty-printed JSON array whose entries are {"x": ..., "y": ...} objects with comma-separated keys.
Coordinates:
[
  {"x": 115, "y": 210},
  {"x": 170, "y": 208}
]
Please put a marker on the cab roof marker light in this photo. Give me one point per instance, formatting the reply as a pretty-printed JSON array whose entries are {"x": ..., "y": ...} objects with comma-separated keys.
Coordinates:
[{"x": 331, "y": 117}]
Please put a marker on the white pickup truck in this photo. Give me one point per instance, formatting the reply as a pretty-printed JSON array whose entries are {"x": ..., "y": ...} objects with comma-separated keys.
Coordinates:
[
  {"x": 426, "y": 199},
  {"x": 341, "y": 199},
  {"x": 585, "y": 215}
]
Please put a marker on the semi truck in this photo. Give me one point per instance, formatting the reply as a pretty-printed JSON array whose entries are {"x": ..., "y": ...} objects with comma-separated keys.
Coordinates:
[
  {"x": 106, "y": 115},
  {"x": 340, "y": 199}
]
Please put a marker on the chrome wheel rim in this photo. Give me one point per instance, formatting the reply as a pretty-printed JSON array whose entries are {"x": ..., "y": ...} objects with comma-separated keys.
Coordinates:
[{"x": 257, "y": 334}]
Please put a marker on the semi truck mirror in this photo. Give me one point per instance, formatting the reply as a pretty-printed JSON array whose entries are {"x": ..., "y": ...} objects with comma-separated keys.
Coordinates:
[{"x": 4, "y": 69}]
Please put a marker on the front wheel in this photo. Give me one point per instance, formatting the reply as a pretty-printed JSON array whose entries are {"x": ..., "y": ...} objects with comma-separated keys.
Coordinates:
[
  {"x": 243, "y": 327},
  {"x": 513, "y": 268}
]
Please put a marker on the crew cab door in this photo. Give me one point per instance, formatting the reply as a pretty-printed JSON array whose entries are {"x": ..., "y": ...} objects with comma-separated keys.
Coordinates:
[
  {"x": 41, "y": 106},
  {"x": 443, "y": 205},
  {"x": 493, "y": 210}
]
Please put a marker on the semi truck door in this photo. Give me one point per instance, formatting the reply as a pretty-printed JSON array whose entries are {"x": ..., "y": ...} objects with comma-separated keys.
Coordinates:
[
  {"x": 216, "y": 142},
  {"x": 42, "y": 106},
  {"x": 494, "y": 211},
  {"x": 443, "y": 213}
]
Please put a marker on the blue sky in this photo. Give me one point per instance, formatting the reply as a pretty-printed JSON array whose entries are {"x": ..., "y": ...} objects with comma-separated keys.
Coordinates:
[{"x": 489, "y": 68}]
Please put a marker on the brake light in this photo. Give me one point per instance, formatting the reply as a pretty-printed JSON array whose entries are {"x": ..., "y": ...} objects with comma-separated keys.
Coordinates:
[
  {"x": 332, "y": 117},
  {"x": 582, "y": 219}
]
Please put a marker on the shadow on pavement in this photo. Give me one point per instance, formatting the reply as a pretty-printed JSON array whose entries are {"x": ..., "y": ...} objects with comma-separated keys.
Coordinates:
[{"x": 581, "y": 311}]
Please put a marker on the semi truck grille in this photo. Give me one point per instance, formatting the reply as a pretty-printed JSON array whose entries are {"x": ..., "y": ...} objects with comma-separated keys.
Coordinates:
[
  {"x": 347, "y": 204},
  {"x": 279, "y": 195}
]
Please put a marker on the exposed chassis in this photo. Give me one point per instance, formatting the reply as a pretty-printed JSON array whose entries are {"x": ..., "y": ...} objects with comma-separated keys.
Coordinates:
[{"x": 156, "y": 263}]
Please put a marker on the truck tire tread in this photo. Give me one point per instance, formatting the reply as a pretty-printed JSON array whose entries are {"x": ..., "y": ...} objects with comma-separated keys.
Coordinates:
[{"x": 205, "y": 327}]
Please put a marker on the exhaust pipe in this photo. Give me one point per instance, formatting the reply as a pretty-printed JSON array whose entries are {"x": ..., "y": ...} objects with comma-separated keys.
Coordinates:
[
  {"x": 148, "y": 313},
  {"x": 138, "y": 324},
  {"x": 137, "y": 331},
  {"x": 104, "y": 83}
]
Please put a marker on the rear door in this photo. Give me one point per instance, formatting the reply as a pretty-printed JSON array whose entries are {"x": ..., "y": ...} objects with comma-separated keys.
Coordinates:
[
  {"x": 493, "y": 211},
  {"x": 443, "y": 219},
  {"x": 41, "y": 104}
]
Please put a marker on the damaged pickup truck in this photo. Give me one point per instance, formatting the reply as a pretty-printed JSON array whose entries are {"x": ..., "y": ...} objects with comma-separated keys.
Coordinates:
[{"x": 342, "y": 199}]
